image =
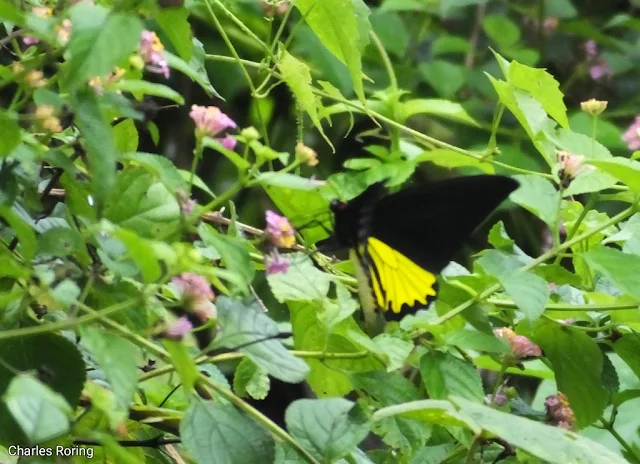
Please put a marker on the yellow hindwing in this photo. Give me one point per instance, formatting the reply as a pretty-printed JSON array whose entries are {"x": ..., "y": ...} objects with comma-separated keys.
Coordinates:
[{"x": 395, "y": 279}]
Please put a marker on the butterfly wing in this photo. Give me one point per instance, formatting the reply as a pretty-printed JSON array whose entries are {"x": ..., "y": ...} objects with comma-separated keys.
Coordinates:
[{"x": 415, "y": 233}]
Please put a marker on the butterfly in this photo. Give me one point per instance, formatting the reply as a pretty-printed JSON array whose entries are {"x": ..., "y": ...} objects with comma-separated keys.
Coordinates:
[{"x": 400, "y": 242}]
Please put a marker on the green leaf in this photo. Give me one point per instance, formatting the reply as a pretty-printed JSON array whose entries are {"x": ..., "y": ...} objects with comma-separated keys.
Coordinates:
[
  {"x": 394, "y": 350},
  {"x": 41, "y": 413},
  {"x": 625, "y": 170},
  {"x": 343, "y": 27},
  {"x": 473, "y": 340},
  {"x": 233, "y": 251},
  {"x": 543, "y": 87},
  {"x": 184, "y": 364},
  {"x": 141, "y": 251},
  {"x": 126, "y": 136},
  {"x": 250, "y": 380},
  {"x": 628, "y": 348},
  {"x": 10, "y": 133},
  {"x": 24, "y": 232},
  {"x": 577, "y": 363},
  {"x": 444, "y": 375},
  {"x": 9, "y": 12},
  {"x": 65, "y": 372},
  {"x": 219, "y": 434},
  {"x": 243, "y": 324},
  {"x": 195, "y": 68},
  {"x": 445, "y": 77},
  {"x": 162, "y": 167},
  {"x": 452, "y": 159},
  {"x": 142, "y": 205},
  {"x": 436, "y": 107},
  {"x": 241, "y": 163},
  {"x": 620, "y": 268},
  {"x": 501, "y": 30},
  {"x": 537, "y": 195},
  {"x": 175, "y": 24},
  {"x": 297, "y": 75},
  {"x": 99, "y": 144},
  {"x": 529, "y": 292},
  {"x": 302, "y": 281},
  {"x": 101, "y": 39},
  {"x": 118, "y": 359},
  {"x": 286, "y": 180},
  {"x": 391, "y": 31},
  {"x": 329, "y": 428},
  {"x": 140, "y": 87},
  {"x": 551, "y": 444}
]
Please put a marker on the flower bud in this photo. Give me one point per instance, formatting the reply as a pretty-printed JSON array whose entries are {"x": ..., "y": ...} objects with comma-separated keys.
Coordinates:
[{"x": 593, "y": 107}]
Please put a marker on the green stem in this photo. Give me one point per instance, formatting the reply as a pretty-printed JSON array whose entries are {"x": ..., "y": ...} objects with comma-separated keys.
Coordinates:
[
  {"x": 608, "y": 425},
  {"x": 583, "y": 214},
  {"x": 475, "y": 444},
  {"x": 540, "y": 259},
  {"x": 556, "y": 225},
  {"x": 568, "y": 307},
  {"x": 197, "y": 154},
  {"x": 499, "y": 380},
  {"x": 238, "y": 23}
]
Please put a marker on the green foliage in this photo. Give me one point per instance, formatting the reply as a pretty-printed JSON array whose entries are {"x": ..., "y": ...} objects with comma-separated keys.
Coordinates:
[{"x": 143, "y": 301}]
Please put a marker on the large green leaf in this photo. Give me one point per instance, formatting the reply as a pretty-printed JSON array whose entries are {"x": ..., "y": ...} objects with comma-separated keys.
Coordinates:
[
  {"x": 437, "y": 107},
  {"x": 443, "y": 375},
  {"x": 118, "y": 359},
  {"x": 302, "y": 281},
  {"x": 628, "y": 348},
  {"x": 551, "y": 444},
  {"x": 243, "y": 324},
  {"x": 620, "y": 268},
  {"x": 529, "y": 292},
  {"x": 42, "y": 413},
  {"x": 24, "y": 232},
  {"x": 537, "y": 195},
  {"x": 329, "y": 428},
  {"x": 577, "y": 363},
  {"x": 10, "y": 133},
  {"x": 55, "y": 356},
  {"x": 625, "y": 170},
  {"x": 175, "y": 24},
  {"x": 343, "y": 27},
  {"x": 99, "y": 142},
  {"x": 101, "y": 40},
  {"x": 219, "y": 434}
]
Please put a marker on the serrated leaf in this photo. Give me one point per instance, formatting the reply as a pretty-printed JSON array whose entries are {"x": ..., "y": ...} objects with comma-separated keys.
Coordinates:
[
  {"x": 99, "y": 143},
  {"x": 242, "y": 324},
  {"x": 250, "y": 380},
  {"x": 118, "y": 358},
  {"x": 577, "y": 363},
  {"x": 175, "y": 24},
  {"x": 140, "y": 87},
  {"x": 101, "y": 39},
  {"x": 444, "y": 375},
  {"x": 620, "y": 268},
  {"x": 327, "y": 428},
  {"x": 219, "y": 434},
  {"x": 529, "y": 292},
  {"x": 297, "y": 75},
  {"x": 537, "y": 195},
  {"x": 625, "y": 170},
  {"x": 162, "y": 167},
  {"x": 183, "y": 362},
  {"x": 551, "y": 444},
  {"x": 41, "y": 413},
  {"x": 302, "y": 281}
]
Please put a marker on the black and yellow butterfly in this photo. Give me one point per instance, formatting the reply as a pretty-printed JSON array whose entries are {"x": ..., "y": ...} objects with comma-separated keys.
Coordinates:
[{"x": 399, "y": 243}]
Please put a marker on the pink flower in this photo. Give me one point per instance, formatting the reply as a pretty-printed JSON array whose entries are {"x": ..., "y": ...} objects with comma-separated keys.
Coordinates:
[
  {"x": 559, "y": 413},
  {"x": 521, "y": 347},
  {"x": 210, "y": 121},
  {"x": 152, "y": 52},
  {"x": 178, "y": 329},
  {"x": 186, "y": 204},
  {"x": 599, "y": 70},
  {"x": 500, "y": 398},
  {"x": 569, "y": 166},
  {"x": 276, "y": 264},
  {"x": 229, "y": 142},
  {"x": 30, "y": 40},
  {"x": 279, "y": 230},
  {"x": 64, "y": 31},
  {"x": 591, "y": 48},
  {"x": 632, "y": 135},
  {"x": 195, "y": 292}
]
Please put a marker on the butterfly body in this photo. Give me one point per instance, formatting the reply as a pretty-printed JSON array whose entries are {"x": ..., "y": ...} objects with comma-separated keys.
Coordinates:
[{"x": 401, "y": 242}]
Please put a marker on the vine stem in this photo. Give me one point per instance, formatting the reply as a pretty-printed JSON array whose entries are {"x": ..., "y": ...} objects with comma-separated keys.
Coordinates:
[{"x": 540, "y": 259}]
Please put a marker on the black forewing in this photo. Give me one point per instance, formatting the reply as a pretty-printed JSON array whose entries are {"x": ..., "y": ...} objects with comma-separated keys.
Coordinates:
[{"x": 429, "y": 224}]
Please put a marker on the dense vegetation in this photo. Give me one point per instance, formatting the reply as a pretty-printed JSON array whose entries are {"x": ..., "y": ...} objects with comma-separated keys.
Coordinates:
[{"x": 167, "y": 167}]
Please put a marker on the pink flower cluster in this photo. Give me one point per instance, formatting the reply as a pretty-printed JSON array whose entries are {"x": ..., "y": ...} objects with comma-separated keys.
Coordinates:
[
  {"x": 279, "y": 230},
  {"x": 598, "y": 67},
  {"x": 195, "y": 291},
  {"x": 632, "y": 135},
  {"x": 178, "y": 329},
  {"x": 152, "y": 52},
  {"x": 276, "y": 264},
  {"x": 521, "y": 347},
  {"x": 211, "y": 121},
  {"x": 559, "y": 413}
]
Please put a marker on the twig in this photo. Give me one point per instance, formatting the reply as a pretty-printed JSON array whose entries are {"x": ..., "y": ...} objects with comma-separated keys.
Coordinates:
[{"x": 475, "y": 35}]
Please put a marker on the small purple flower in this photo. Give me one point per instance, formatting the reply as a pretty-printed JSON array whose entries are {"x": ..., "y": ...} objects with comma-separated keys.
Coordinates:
[
  {"x": 632, "y": 135},
  {"x": 210, "y": 121},
  {"x": 276, "y": 264},
  {"x": 178, "y": 329},
  {"x": 591, "y": 48},
  {"x": 30, "y": 40},
  {"x": 279, "y": 230},
  {"x": 152, "y": 52},
  {"x": 186, "y": 204},
  {"x": 521, "y": 347},
  {"x": 599, "y": 70},
  {"x": 194, "y": 290},
  {"x": 559, "y": 413},
  {"x": 499, "y": 400},
  {"x": 229, "y": 142}
]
